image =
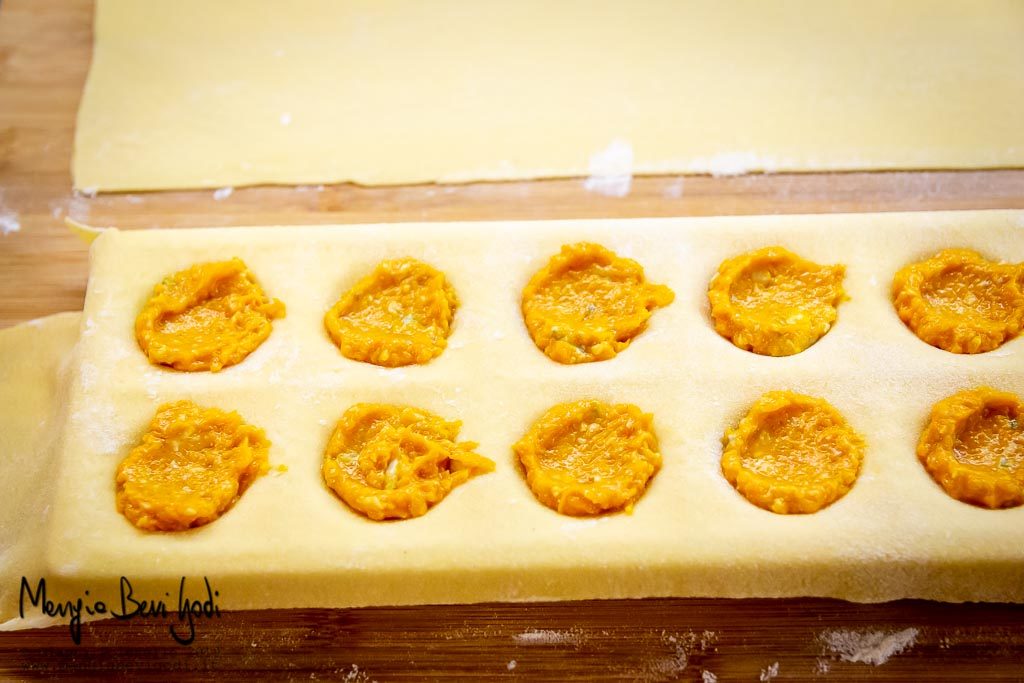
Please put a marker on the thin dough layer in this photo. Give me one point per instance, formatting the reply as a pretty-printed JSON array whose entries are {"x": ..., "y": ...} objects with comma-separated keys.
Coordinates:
[
  {"x": 973, "y": 446},
  {"x": 192, "y": 464},
  {"x": 498, "y": 91},
  {"x": 400, "y": 314},
  {"x": 206, "y": 317},
  {"x": 773, "y": 302},
  {"x": 587, "y": 304},
  {"x": 589, "y": 457},
  {"x": 960, "y": 302},
  {"x": 792, "y": 453},
  {"x": 396, "y": 462}
]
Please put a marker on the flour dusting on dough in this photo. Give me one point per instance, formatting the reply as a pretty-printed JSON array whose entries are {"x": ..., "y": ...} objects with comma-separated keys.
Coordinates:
[
  {"x": 611, "y": 170},
  {"x": 152, "y": 384},
  {"x": 393, "y": 374},
  {"x": 223, "y": 193},
  {"x": 571, "y": 527},
  {"x": 87, "y": 375},
  {"x": 733, "y": 163},
  {"x": 91, "y": 422},
  {"x": 868, "y": 647}
]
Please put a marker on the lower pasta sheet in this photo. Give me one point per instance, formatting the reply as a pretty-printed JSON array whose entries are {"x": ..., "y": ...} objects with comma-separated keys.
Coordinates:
[
  {"x": 34, "y": 360},
  {"x": 290, "y": 542}
]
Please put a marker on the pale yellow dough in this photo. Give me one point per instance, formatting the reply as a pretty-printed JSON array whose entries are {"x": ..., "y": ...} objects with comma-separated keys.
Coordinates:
[
  {"x": 193, "y": 93},
  {"x": 34, "y": 359},
  {"x": 896, "y": 534}
]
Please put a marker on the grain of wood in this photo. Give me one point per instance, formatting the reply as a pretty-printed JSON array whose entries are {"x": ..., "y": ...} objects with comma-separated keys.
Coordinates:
[{"x": 44, "y": 56}]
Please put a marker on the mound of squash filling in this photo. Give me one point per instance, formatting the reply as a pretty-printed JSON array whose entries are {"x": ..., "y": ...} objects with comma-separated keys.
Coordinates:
[
  {"x": 773, "y": 302},
  {"x": 589, "y": 457},
  {"x": 587, "y": 304},
  {"x": 206, "y": 317},
  {"x": 792, "y": 453},
  {"x": 960, "y": 302},
  {"x": 190, "y": 467},
  {"x": 400, "y": 314},
  {"x": 973, "y": 446},
  {"x": 396, "y": 462}
]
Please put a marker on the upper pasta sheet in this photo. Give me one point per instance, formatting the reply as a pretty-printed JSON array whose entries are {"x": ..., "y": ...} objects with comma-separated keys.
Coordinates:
[{"x": 189, "y": 93}]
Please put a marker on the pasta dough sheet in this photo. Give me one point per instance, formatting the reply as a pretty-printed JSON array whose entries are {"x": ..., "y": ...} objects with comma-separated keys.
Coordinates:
[
  {"x": 34, "y": 359},
  {"x": 189, "y": 93},
  {"x": 289, "y": 542}
]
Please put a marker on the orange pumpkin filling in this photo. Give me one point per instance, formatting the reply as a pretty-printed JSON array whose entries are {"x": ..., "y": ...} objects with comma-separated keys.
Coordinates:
[
  {"x": 973, "y": 446},
  {"x": 773, "y": 302},
  {"x": 400, "y": 314},
  {"x": 206, "y": 317},
  {"x": 395, "y": 462},
  {"x": 589, "y": 457},
  {"x": 190, "y": 467},
  {"x": 587, "y": 304},
  {"x": 792, "y": 454},
  {"x": 959, "y": 302}
]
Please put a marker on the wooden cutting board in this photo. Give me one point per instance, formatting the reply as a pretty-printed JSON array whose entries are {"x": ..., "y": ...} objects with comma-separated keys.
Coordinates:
[{"x": 44, "y": 56}]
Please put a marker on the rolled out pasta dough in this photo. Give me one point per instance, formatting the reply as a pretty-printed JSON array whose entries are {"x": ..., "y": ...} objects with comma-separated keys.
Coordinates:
[{"x": 190, "y": 93}]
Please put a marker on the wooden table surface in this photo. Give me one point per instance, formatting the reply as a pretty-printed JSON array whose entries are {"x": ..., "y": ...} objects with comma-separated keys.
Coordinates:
[{"x": 44, "y": 56}]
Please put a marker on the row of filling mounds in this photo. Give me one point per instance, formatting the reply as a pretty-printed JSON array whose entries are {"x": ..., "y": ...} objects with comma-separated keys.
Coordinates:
[
  {"x": 790, "y": 453},
  {"x": 587, "y": 304}
]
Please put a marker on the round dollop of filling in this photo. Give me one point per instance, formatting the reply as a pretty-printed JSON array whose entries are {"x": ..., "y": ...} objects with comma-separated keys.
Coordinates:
[
  {"x": 589, "y": 457},
  {"x": 960, "y": 302},
  {"x": 587, "y": 304},
  {"x": 973, "y": 446},
  {"x": 400, "y": 314},
  {"x": 773, "y": 302},
  {"x": 190, "y": 467},
  {"x": 395, "y": 462},
  {"x": 792, "y": 453},
  {"x": 206, "y": 317}
]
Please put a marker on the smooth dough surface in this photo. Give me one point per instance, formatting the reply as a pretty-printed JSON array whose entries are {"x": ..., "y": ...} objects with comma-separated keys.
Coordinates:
[
  {"x": 191, "y": 93},
  {"x": 290, "y": 543}
]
